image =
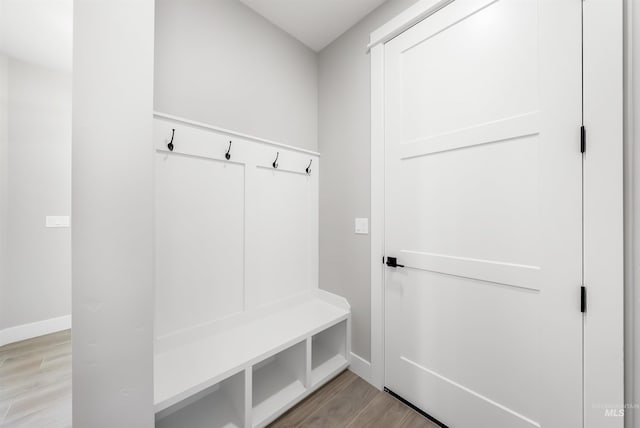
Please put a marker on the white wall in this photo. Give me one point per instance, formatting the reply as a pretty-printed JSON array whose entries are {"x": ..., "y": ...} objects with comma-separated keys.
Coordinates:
[
  {"x": 4, "y": 177},
  {"x": 219, "y": 62},
  {"x": 113, "y": 214},
  {"x": 37, "y": 280},
  {"x": 344, "y": 129}
]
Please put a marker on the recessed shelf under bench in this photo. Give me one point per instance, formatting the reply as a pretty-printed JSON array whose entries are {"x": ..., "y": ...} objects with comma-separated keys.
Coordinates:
[{"x": 247, "y": 370}]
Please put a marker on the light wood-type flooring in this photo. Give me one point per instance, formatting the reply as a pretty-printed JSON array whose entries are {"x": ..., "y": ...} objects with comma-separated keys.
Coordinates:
[
  {"x": 35, "y": 382},
  {"x": 349, "y": 401}
]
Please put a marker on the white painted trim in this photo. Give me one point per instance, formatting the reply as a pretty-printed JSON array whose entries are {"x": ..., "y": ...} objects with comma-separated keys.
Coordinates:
[
  {"x": 632, "y": 214},
  {"x": 361, "y": 367},
  {"x": 604, "y": 220},
  {"x": 34, "y": 329},
  {"x": 193, "y": 123},
  {"x": 406, "y": 20},
  {"x": 377, "y": 216},
  {"x": 603, "y": 212}
]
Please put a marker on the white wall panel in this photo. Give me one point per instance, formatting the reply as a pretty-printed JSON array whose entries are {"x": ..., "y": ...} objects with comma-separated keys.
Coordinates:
[
  {"x": 199, "y": 240},
  {"x": 231, "y": 234},
  {"x": 279, "y": 258}
]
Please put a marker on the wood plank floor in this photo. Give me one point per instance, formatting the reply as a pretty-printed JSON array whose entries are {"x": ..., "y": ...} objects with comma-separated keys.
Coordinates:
[
  {"x": 35, "y": 382},
  {"x": 349, "y": 401}
]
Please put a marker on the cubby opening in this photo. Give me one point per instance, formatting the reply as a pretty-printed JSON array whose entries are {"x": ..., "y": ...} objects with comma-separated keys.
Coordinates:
[
  {"x": 221, "y": 406},
  {"x": 278, "y": 382},
  {"x": 328, "y": 352}
]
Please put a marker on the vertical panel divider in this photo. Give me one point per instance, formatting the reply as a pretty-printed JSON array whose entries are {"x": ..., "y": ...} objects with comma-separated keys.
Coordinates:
[
  {"x": 307, "y": 380},
  {"x": 314, "y": 229},
  {"x": 249, "y": 180},
  {"x": 248, "y": 397}
]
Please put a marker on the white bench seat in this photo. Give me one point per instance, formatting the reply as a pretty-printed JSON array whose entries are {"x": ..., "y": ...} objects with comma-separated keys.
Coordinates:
[{"x": 187, "y": 366}]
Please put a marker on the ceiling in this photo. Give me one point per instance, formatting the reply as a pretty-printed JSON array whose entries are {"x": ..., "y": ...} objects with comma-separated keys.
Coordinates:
[
  {"x": 38, "y": 31},
  {"x": 316, "y": 23}
]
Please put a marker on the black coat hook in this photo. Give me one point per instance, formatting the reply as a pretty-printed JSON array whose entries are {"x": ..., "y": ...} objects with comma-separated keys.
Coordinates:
[
  {"x": 275, "y": 162},
  {"x": 170, "y": 145},
  {"x": 228, "y": 154},
  {"x": 309, "y": 167}
]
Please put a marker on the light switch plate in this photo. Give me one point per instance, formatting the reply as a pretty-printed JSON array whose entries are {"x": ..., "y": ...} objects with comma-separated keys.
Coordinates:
[
  {"x": 362, "y": 226},
  {"x": 58, "y": 221}
]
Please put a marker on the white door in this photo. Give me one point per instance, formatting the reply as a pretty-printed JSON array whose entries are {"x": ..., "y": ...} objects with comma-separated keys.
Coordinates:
[{"x": 483, "y": 207}]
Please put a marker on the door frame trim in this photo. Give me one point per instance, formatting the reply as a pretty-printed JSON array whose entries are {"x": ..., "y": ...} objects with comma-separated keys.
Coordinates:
[
  {"x": 603, "y": 200},
  {"x": 603, "y": 223}
]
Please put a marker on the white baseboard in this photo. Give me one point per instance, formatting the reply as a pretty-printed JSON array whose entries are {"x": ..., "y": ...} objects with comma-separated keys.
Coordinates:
[
  {"x": 360, "y": 367},
  {"x": 34, "y": 329}
]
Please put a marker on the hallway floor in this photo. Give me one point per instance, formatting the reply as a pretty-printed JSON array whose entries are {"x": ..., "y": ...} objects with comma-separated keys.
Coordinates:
[
  {"x": 349, "y": 401},
  {"x": 35, "y": 382}
]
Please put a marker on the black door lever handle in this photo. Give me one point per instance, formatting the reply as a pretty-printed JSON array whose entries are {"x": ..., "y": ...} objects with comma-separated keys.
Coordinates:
[{"x": 393, "y": 262}]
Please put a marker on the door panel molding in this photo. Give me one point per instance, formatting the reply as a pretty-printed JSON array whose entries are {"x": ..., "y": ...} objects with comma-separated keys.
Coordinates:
[
  {"x": 524, "y": 125},
  {"x": 515, "y": 419},
  {"x": 512, "y": 274}
]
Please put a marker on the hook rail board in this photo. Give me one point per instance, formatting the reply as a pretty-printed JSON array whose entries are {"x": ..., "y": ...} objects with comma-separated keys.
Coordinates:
[
  {"x": 242, "y": 330},
  {"x": 167, "y": 118}
]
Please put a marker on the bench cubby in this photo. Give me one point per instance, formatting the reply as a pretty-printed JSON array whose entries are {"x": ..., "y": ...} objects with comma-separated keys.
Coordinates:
[
  {"x": 278, "y": 381},
  {"x": 329, "y": 352},
  {"x": 220, "y": 406}
]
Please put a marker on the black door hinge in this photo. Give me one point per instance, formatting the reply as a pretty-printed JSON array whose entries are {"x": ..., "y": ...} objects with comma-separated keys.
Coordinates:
[
  {"x": 583, "y": 139},
  {"x": 583, "y": 299}
]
